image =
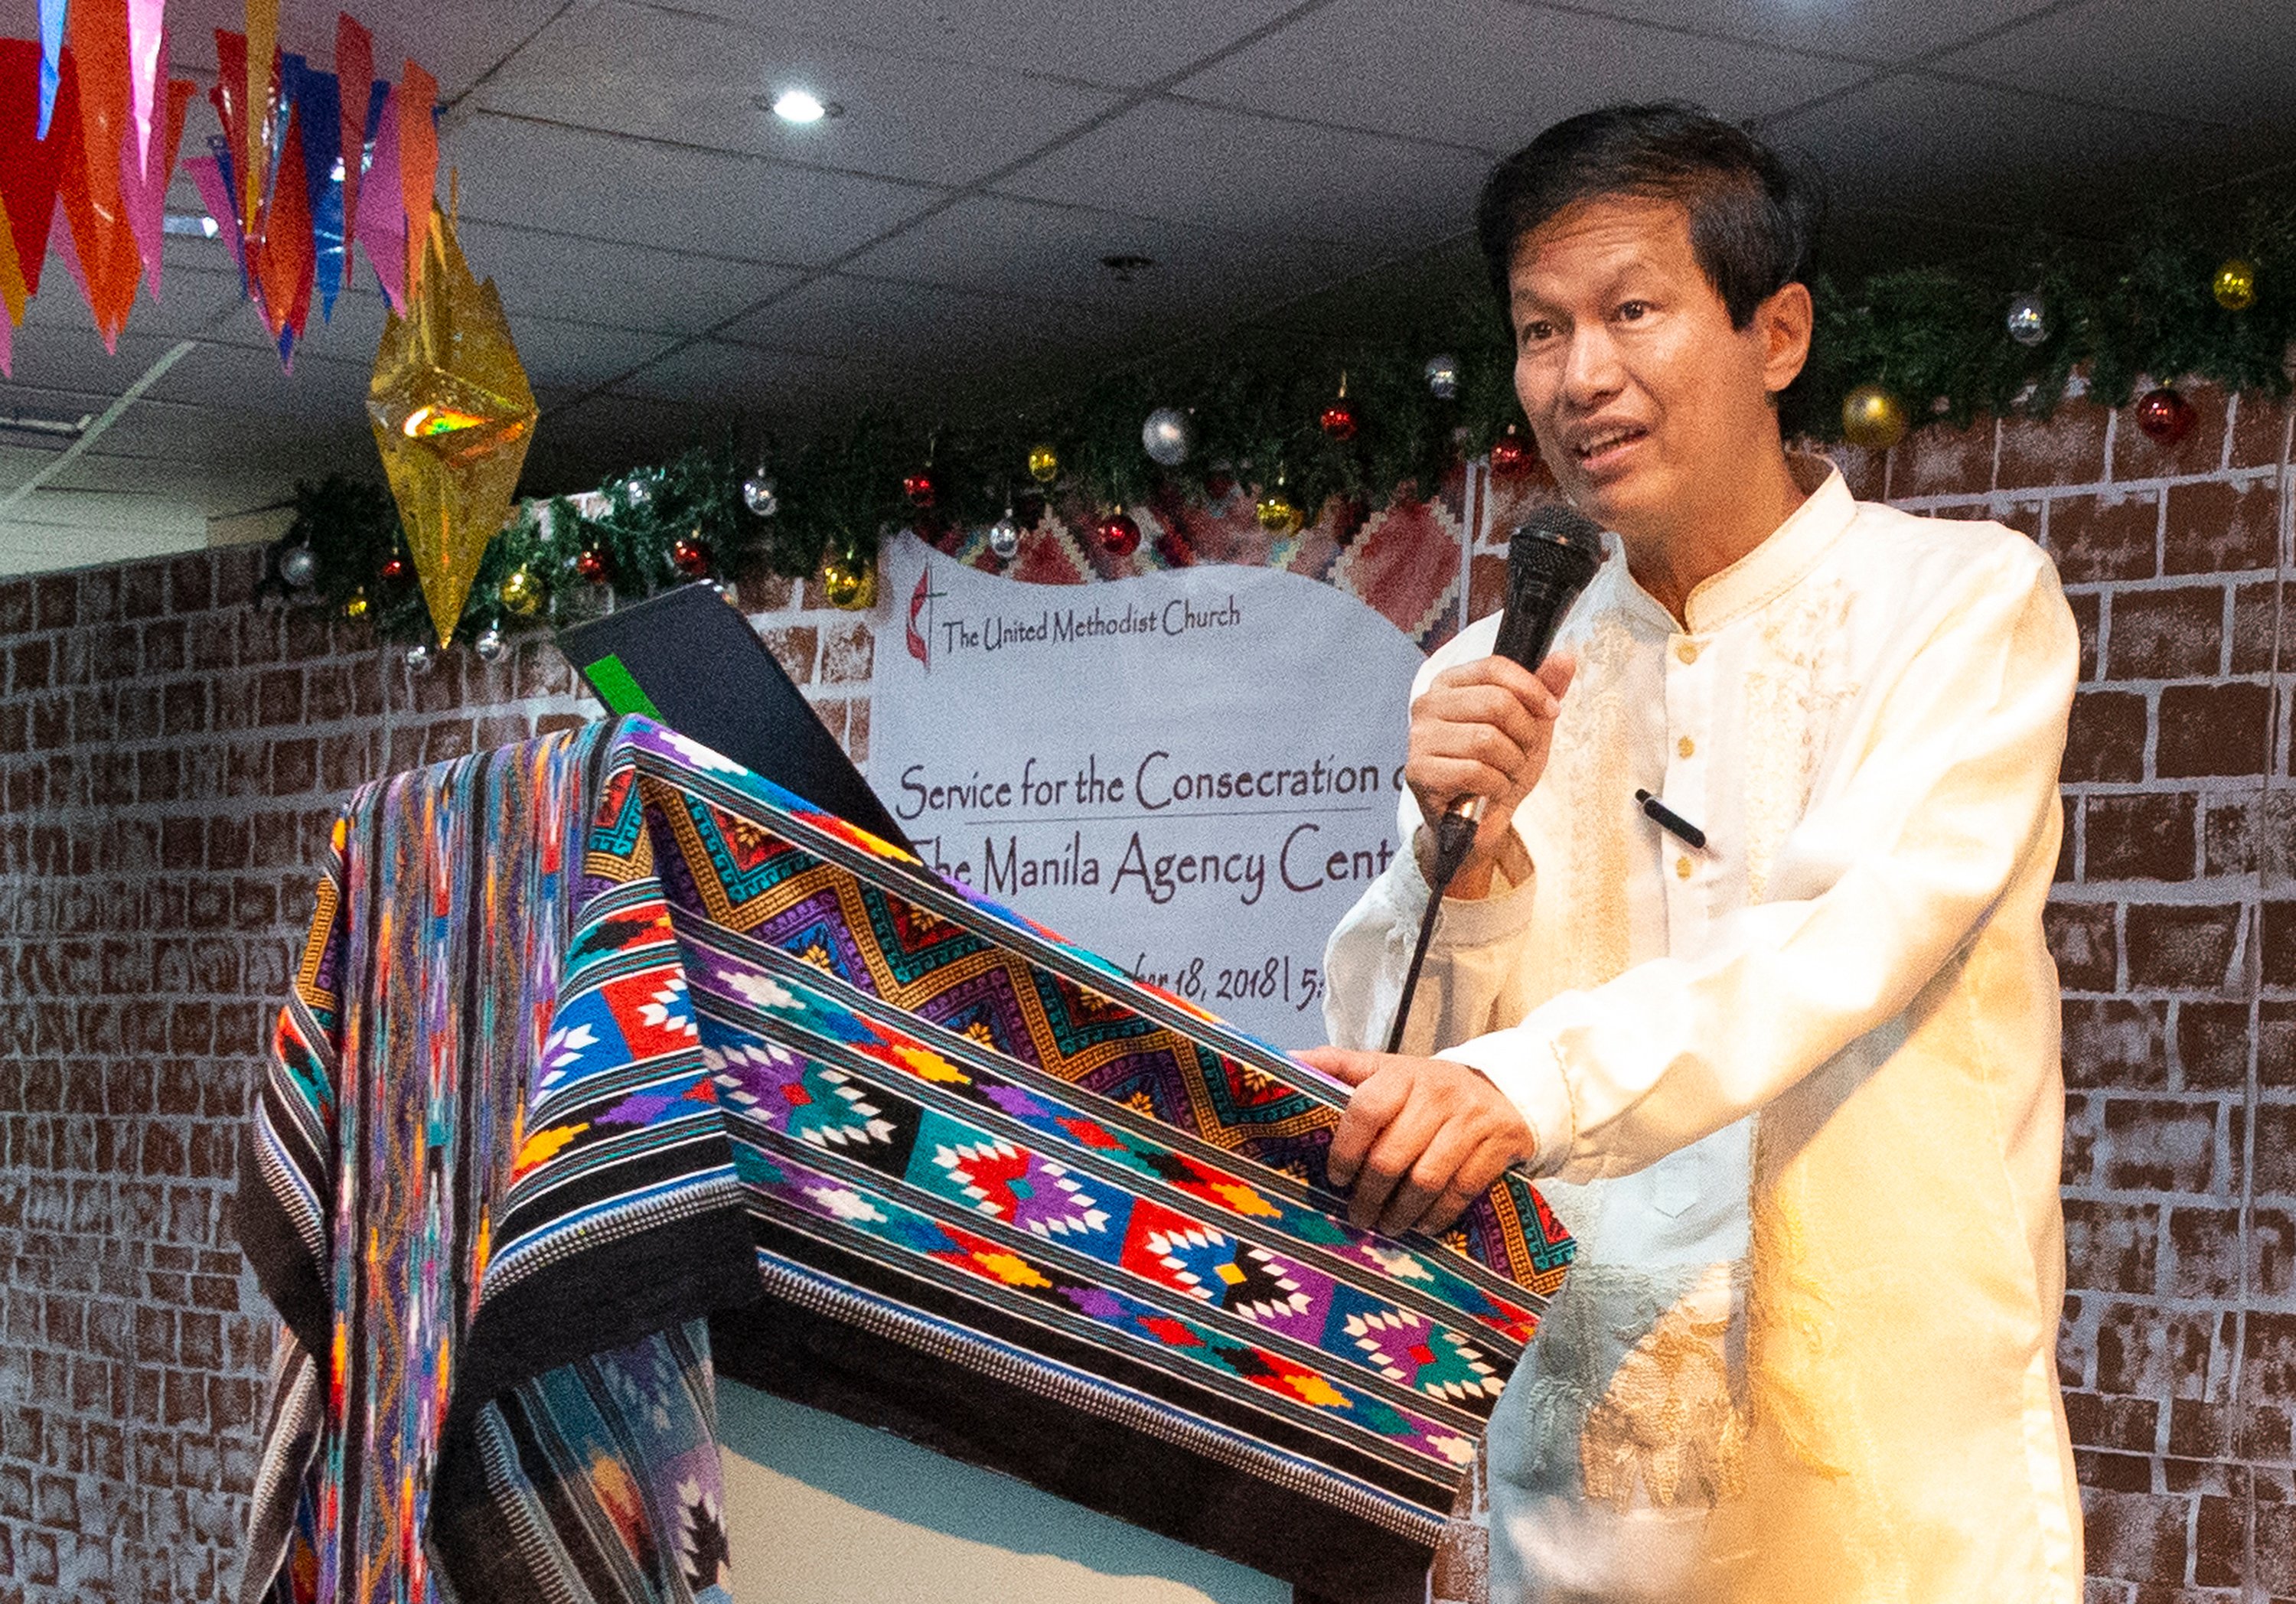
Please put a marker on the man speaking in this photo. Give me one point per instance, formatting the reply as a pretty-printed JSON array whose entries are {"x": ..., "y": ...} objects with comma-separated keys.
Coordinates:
[{"x": 1783, "y": 1050}]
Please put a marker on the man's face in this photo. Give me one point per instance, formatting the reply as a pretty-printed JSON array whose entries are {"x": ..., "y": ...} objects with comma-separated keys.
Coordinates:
[{"x": 1645, "y": 400}]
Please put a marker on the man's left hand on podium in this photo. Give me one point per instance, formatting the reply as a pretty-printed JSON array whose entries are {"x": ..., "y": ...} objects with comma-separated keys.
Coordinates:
[{"x": 1421, "y": 1139}]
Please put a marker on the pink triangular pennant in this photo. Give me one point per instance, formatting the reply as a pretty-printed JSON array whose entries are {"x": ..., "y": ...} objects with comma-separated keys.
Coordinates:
[
  {"x": 382, "y": 219},
  {"x": 215, "y": 194},
  {"x": 144, "y": 192},
  {"x": 147, "y": 71}
]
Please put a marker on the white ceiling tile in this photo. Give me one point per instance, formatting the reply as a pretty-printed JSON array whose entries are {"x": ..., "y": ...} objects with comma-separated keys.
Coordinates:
[
  {"x": 578, "y": 448},
  {"x": 2148, "y": 57},
  {"x": 249, "y": 379},
  {"x": 990, "y": 243},
  {"x": 188, "y": 304},
  {"x": 697, "y": 80},
  {"x": 1878, "y": 30},
  {"x": 233, "y": 442},
  {"x": 1222, "y": 169},
  {"x": 557, "y": 353},
  {"x": 66, "y": 356},
  {"x": 655, "y": 286},
  {"x": 1492, "y": 73},
  {"x": 452, "y": 40},
  {"x": 611, "y": 187},
  {"x": 1131, "y": 44},
  {"x": 99, "y": 469},
  {"x": 914, "y": 326},
  {"x": 1914, "y": 141},
  {"x": 715, "y": 375}
]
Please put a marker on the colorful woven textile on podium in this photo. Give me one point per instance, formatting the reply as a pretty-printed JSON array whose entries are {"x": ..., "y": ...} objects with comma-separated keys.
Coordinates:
[{"x": 536, "y": 1100}]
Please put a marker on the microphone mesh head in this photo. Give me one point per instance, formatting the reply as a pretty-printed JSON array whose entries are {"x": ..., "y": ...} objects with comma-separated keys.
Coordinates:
[
  {"x": 1550, "y": 558},
  {"x": 1552, "y": 525}
]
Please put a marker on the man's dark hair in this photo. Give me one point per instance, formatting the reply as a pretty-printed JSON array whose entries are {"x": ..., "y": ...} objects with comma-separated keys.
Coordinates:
[{"x": 1754, "y": 216}]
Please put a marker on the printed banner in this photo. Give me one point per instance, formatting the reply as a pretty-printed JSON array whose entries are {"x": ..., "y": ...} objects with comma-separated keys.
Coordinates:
[{"x": 1192, "y": 773}]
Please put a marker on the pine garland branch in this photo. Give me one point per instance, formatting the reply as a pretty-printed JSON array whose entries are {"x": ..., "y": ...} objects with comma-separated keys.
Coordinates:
[{"x": 1934, "y": 336}]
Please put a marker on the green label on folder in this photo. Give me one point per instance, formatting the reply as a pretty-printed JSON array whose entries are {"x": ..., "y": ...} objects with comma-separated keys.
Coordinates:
[{"x": 618, "y": 689}]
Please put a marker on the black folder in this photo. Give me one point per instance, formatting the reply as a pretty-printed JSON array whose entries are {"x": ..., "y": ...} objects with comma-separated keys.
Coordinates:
[{"x": 691, "y": 661}]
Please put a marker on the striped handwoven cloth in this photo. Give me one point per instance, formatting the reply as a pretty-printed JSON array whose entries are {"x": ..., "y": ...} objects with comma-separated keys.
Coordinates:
[{"x": 600, "y": 1032}]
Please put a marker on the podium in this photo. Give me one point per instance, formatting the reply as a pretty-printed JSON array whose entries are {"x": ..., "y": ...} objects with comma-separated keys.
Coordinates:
[{"x": 610, "y": 1066}]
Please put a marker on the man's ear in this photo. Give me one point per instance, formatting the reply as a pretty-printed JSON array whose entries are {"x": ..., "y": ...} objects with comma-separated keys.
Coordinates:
[{"x": 1783, "y": 322}]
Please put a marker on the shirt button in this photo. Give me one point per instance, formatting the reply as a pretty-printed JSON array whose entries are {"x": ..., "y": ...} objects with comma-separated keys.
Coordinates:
[
  {"x": 1687, "y": 650},
  {"x": 1681, "y": 868},
  {"x": 1685, "y": 746}
]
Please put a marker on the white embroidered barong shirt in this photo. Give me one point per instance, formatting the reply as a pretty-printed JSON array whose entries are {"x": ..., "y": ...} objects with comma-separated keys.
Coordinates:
[{"x": 1797, "y": 1094}]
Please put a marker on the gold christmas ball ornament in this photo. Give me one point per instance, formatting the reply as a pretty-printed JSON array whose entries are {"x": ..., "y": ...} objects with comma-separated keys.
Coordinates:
[
  {"x": 2234, "y": 285},
  {"x": 1044, "y": 465},
  {"x": 521, "y": 591},
  {"x": 355, "y": 607},
  {"x": 1873, "y": 417},
  {"x": 1277, "y": 515},
  {"x": 849, "y": 585}
]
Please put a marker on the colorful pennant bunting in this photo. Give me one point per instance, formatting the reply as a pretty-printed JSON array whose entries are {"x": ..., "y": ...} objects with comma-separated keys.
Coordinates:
[
  {"x": 356, "y": 92},
  {"x": 91, "y": 133}
]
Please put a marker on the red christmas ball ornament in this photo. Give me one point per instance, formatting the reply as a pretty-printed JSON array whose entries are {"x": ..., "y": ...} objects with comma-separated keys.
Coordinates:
[
  {"x": 692, "y": 557},
  {"x": 396, "y": 569},
  {"x": 2164, "y": 416},
  {"x": 1120, "y": 536},
  {"x": 1339, "y": 420},
  {"x": 920, "y": 489},
  {"x": 591, "y": 566},
  {"x": 1510, "y": 454}
]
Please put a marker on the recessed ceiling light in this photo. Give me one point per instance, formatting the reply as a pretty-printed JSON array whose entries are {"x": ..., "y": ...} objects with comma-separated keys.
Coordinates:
[{"x": 803, "y": 106}]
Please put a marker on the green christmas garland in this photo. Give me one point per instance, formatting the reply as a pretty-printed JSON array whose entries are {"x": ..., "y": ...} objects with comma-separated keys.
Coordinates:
[{"x": 1258, "y": 405}]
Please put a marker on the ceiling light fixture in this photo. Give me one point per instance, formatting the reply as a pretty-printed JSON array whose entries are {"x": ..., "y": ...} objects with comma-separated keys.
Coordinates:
[
  {"x": 801, "y": 106},
  {"x": 189, "y": 222}
]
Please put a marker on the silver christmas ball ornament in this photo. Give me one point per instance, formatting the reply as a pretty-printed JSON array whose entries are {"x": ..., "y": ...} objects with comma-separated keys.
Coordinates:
[
  {"x": 420, "y": 658},
  {"x": 490, "y": 645},
  {"x": 1443, "y": 376},
  {"x": 1005, "y": 537},
  {"x": 760, "y": 494},
  {"x": 637, "y": 490},
  {"x": 1168, "y": 437},
  {"x": 299, "y": 566},
  {"x": 2029, "y": 320}
]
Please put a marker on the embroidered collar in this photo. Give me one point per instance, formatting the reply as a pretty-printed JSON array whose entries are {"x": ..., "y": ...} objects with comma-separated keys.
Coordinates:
[{"x": 1776, "y": 565}]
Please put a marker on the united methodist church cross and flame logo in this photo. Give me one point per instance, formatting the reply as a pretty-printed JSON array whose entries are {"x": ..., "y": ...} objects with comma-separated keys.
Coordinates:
[{"x": 921, "y": 618}]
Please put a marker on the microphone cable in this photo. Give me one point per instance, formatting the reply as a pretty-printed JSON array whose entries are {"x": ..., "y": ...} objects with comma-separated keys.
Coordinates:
[
  {"x": 1549, "y": 559},
  {"x": 1452, "y": 837}
]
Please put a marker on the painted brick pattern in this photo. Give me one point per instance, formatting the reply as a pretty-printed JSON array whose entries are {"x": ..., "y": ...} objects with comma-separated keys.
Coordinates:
[
  {"x": 170, "y": 759},
  {"x": 2174, "y": 928}
]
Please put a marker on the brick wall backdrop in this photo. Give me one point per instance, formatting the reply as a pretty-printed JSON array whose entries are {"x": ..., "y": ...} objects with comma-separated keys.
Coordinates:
[{"x": 170, "y": 759}]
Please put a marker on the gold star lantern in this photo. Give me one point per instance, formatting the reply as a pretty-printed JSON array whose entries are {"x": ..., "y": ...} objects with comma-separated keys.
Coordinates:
[{"x": 453, "y": 416}]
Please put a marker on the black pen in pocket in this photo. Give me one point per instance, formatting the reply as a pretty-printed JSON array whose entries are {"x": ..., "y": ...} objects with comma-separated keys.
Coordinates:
[{"x": 1671, "y": 822}]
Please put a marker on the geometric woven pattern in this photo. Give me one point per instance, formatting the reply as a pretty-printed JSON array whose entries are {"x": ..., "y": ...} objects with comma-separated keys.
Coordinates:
[
  {"x": 597, "y": 1034},
  {"x": 941, "y": 1106}
]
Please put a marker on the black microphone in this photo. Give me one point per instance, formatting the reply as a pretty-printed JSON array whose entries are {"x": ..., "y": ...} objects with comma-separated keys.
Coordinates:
[{"x": 1550, "y": 558}]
